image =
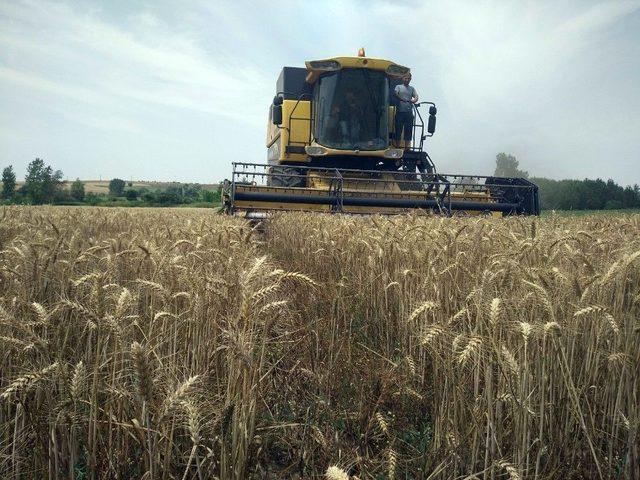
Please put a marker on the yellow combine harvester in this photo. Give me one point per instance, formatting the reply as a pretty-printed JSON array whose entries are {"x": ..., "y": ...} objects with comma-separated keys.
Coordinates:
[{"x": 331, "y": 148}]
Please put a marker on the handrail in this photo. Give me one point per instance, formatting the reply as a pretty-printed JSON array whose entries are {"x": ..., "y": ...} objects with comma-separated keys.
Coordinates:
[
  {"x": 415, "y": 127},
  {"x": 355, "y": 170},
  {"x": 291, "y": 117}
]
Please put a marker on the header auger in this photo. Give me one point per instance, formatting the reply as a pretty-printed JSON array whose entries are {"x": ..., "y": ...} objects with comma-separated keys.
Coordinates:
[{"x": 332, "y": 147}]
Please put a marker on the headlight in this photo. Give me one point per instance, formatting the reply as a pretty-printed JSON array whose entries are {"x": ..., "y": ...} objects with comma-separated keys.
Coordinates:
[
  {"x": 397, "y": 70},
  {"x": 315, "y": 151},
  {"x": 324, "y": 65},
  {"x": 393, "y": 153}
]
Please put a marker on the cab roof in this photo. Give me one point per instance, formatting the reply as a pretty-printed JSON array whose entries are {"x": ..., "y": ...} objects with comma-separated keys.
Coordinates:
[{"x": 317, "y": 67}]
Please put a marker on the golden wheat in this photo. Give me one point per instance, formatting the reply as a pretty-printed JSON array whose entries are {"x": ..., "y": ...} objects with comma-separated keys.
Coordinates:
[{"x": 177, "y": 344}]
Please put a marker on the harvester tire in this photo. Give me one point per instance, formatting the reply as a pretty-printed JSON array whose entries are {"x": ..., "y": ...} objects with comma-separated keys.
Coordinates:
[{"x": 286, "y": 177}]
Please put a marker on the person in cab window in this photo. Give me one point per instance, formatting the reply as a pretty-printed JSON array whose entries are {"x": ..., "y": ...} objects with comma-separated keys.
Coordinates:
[
  {"x": 350, "y": 115},
  {"x": 406, "y": 96}
]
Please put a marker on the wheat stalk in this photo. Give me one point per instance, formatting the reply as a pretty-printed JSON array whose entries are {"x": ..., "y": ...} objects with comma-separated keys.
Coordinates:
[
  {"x": 200, "y": 346},
  {"x": 336, "y": 473},
  {"x": 28, "y": 381},
  {"x": 423, "y": 307}
]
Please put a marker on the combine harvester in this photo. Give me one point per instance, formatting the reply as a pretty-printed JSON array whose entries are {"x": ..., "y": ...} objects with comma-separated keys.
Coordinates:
[{"x": 331, "y": 148}]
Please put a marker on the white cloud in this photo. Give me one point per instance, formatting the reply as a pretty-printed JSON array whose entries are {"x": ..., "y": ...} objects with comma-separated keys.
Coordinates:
[
  {"x": 191, "y": 85},
  {"x": 171, "y": 70},
  {"x": 598, "y": 16},
  {"x": 535, "y": 78}
]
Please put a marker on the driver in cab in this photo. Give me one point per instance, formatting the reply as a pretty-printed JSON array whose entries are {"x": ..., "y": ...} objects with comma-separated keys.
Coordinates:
[{"x": 346, "y": 120}]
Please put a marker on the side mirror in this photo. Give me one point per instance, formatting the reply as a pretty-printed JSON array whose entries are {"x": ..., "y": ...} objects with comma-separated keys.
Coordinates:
[
  {"x": 276, "y": 114},
  {"x": 276, "y": 110},
  {"x": 431, "y": 125}
]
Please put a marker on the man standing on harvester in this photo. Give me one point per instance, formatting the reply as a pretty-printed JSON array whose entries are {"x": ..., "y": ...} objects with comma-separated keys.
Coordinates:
[{"x": 407, "y": 96}]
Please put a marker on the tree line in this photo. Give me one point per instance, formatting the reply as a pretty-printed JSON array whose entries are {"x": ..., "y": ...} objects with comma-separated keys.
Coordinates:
[
  {"x": 572, "y": 194},
  {"x": 44, "y": 185}
]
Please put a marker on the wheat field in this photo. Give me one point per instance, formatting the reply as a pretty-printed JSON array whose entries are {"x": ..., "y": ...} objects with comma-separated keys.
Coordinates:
[{"x": 179, "y": 344}]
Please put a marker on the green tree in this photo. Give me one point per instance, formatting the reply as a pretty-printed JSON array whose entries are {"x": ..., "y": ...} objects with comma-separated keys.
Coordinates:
[
  {"x": 585, "y": 194},
  {"x": 131, "y": 194},
  {"x": 91, "y": 198},
  {"x": 116, "y": 187},
  {"x": 77, "y": 190},
  {"x": 34, "y": 181},
  {"x": 628, "y": 198},
  {"x": 8, "y": 182},
  {"x": 42, "y": 184},
  {"x": 209, "y": 196},
  {"x": 507, "y": 166}
]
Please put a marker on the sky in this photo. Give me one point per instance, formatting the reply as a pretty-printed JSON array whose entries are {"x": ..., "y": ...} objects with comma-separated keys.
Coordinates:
[{"x": 165, "y": 90}]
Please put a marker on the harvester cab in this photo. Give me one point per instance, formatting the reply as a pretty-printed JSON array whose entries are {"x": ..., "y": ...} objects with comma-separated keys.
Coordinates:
[{"x": 332, "y": 147}]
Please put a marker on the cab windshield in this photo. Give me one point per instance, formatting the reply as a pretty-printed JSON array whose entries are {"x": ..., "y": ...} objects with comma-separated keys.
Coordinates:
[{"x": 351, "y": 110}]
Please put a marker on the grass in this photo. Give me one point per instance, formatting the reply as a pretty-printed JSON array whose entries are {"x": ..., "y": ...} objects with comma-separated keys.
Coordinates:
[{"x": 174, "y": 343}]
